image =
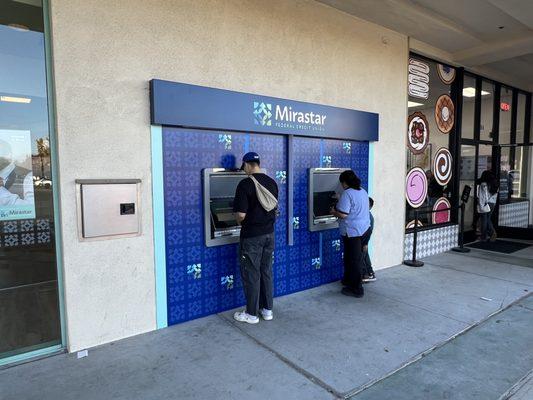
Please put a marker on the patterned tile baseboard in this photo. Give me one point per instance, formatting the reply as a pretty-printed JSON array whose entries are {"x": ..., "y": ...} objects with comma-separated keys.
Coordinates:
[
  {"x": 515, "y": 215},
  {"x": 431, "y": 241},
  {"x": 25, "y": 232}
]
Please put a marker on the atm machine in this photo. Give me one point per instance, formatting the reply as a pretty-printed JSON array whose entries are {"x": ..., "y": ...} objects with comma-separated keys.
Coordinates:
[
  {"x": 324, "y": 192},
  {"x": 220, "y": 226}
]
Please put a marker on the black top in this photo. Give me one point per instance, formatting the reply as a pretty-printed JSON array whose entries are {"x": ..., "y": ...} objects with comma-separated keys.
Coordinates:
[{"x": 258, "y": 221}]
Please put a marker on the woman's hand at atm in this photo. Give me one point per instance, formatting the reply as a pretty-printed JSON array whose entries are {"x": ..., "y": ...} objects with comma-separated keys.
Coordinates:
[{"x": 337, "y": 213}]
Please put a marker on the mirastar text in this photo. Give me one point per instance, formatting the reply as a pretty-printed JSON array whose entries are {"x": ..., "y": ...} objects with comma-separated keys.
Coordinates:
[{"x": 287, "y": 114}]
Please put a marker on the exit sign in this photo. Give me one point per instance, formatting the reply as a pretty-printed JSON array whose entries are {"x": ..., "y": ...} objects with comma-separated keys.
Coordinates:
[{"x": 505, "y": 106}]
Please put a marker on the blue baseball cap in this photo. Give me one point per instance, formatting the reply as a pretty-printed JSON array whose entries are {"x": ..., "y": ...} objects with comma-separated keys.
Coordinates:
[{"x": 250, "y": 157}]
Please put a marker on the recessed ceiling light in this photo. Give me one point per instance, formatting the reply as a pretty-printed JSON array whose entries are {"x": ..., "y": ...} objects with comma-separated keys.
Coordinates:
[
  {"x": 19, "y": 27},
  {"x": 411, "y": 104},
  {"x": 471, "y": 92},
  {"x": 10, "y": 99}
]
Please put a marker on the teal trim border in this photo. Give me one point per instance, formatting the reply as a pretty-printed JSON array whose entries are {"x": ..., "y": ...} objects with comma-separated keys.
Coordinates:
[
  {"x": 371, "y": 185},
  {"x": 55, "y": 349},
  {"x": 158, "y": 205},
  {"x": 58, "y": 348},
  {"x": 55, "y": 167}
]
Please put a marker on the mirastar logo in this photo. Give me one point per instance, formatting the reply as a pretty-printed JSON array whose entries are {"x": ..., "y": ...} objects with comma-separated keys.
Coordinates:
[
  {"x": 289, "y": 115},
  {"x": 286, "y": 116},
  {"x": 262, "y": 113}
]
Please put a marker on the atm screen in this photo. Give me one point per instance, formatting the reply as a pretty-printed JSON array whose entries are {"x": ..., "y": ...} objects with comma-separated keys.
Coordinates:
[{"x": 323, "y": 202}]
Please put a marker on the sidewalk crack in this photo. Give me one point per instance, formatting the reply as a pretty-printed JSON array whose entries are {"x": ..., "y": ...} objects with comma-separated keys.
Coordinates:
[{"x": 308, "y": 375}]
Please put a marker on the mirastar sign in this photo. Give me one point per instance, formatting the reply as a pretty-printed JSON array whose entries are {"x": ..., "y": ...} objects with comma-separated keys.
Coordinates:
[{"x": 287, "y": 114}]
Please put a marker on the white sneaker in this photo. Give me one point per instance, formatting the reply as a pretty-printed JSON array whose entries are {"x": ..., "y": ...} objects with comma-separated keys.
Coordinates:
[
  {"x": 243, "y": 316},
  {"x": 266, "y": 314}
]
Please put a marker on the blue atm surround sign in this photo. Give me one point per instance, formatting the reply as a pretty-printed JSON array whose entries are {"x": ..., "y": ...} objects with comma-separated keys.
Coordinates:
[{"x": 184, "y": 105}]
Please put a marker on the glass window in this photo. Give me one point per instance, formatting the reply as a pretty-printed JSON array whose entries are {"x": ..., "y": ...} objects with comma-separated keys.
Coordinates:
[
  {"x": 487, "y": 111},
  {"x": 520, "y": 118},
  {"x": 520, "y": 172},
  {"x": 469, "y": 101},
  {"x": 431, "y": 122},
  {"x": 516, "y": 189},
  {"x": 531, "y": 122},
  {"x": 468, "y": 177},
  {"x": 505, "y": 167},
  {"x": 484, "y": 159},
  {"x": 29, "y": 310},
  {"x": 506, "y": 101}
]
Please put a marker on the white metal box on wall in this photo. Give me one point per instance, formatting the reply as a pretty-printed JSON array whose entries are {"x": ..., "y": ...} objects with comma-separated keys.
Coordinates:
[{"x": 108, "y": 208}]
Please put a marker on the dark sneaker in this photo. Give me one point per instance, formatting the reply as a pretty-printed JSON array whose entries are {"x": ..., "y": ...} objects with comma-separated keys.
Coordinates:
[
  {"x": 369, "y": 278},
  {"x": 349, "y": 292}
]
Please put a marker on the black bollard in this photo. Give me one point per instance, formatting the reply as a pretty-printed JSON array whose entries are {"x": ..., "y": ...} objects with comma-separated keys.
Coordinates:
[
  {"x": 414, "y": 262},
  {"x": 462, "y": 248}
]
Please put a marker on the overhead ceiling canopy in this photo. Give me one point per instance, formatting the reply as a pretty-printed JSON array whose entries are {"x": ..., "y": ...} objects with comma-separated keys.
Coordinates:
[{"x": 490, "y": 37}]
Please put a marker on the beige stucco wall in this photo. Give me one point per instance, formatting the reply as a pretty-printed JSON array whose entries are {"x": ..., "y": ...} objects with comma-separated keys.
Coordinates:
[{"x": 105, "y": 52}]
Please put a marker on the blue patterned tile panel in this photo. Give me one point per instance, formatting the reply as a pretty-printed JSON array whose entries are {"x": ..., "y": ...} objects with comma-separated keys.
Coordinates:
[{"x": 205, "y": 280}]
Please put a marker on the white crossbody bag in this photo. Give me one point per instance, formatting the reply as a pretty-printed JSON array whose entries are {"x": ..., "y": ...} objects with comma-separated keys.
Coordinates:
[{"x": 267, "y": 200}]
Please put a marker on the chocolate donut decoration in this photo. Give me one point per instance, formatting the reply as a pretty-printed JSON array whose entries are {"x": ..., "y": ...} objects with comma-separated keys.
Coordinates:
[{"x": 417, "y": 132}]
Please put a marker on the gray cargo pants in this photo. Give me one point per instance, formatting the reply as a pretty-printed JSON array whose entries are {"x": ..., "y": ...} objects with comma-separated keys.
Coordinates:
[{"x": 255, "y": 255}]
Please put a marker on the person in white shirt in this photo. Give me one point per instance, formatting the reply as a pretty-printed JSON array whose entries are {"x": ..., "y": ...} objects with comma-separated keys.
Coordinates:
[{"x": 487, "y": 195}]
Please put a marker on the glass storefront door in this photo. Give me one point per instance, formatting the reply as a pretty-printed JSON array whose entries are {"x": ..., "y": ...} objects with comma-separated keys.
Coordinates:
[
  {"x": 468, "y": 177},
  {"x": 515, "y": 214},
  {"x": 29, "y": 295}
]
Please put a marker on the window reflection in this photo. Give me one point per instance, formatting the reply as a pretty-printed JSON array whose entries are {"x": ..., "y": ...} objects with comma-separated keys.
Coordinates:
[
  {"x": 468, "y": 110},
  {"x": 487, "y": 111},
  {"x": 520, "y": 118},
  {"x": 506, "y": 100}
]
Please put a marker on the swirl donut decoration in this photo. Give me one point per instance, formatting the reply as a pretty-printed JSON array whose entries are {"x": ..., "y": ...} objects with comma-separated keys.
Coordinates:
[
  {"x": 442, "y": 166},
  {"x": 416, "y": 187},
  {"x": 417, "y": 132},
  {"x": 446, "y": 74},
  {"x": 441, "y": 217},
  {"x": 444, "y": 113}
]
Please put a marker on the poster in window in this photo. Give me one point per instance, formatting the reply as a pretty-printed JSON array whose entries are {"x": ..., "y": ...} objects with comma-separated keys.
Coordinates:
[{"x": 16, "y": 178}]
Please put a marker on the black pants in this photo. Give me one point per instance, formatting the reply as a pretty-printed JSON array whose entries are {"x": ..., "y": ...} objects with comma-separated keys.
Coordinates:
[
  {"x": 352, "y": 263},
  {"x": 487, "y": 229},
  {"x": 366, "y": 264},
  {"x": 255, "y": 255}
]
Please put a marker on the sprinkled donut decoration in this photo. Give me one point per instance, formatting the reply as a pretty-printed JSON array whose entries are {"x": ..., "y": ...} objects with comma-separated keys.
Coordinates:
[
  {"x": 446, "y": 74},
  {"x": 444, "y": 113}
]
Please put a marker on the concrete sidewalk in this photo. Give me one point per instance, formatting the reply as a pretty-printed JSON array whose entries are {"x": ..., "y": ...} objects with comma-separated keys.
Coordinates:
[{"x": 321, "y": 345}]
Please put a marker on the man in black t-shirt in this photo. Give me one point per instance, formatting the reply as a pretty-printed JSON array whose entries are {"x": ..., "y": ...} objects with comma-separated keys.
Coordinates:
[{"x": 256, "y": 243}]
